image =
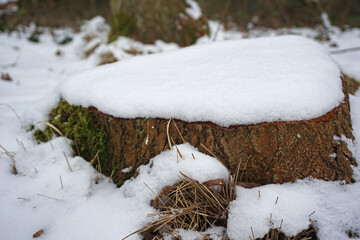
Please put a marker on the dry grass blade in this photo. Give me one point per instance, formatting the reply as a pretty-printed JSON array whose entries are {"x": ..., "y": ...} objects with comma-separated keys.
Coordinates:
[
  {"x": 176, "y": 147},
  {"x": 9, "y": 154},
  {"x": 154, "y": 193},
  {"x": 48, "y": 197},
  {"x": 311, "y": 213},
  {"x": 215, "y": 157},
  {"x": 51, "y": 126},
  {"x": 168, "y": 132},
  {"x": 54, "y": 129},
  {"x": 21, "y": 144},
  {"x": 99, "y": 166},
  {"x": 189, "y": 205},
  {"x": 61, "y": 183},
  {"x": 276, "y": 234},
  {"x": 22, "y": 198},
  {"x": 67, "y": 161},
  {"x": 12, "y": 109},
  {"x": 182, "y": 138},
  {"x": 112, "y": 173},
  {"x": 94, "y": 158}
]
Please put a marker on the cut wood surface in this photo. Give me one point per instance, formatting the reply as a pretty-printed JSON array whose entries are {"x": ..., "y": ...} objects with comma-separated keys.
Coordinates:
[{"x": 275, "y": 152}]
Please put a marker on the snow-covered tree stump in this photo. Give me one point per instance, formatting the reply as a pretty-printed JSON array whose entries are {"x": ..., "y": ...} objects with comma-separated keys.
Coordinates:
[
  {"x": 275, "y": 152},
  {"x": 275, "y": 107}
]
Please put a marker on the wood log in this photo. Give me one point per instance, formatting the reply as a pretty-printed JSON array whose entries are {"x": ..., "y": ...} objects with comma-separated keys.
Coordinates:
[{"x": 274, "y": 152}]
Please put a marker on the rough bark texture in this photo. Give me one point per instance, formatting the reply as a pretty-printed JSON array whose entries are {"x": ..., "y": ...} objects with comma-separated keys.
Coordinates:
[
  {"x": 147, "y": 21},
  {"x": 269, "y": 152}
]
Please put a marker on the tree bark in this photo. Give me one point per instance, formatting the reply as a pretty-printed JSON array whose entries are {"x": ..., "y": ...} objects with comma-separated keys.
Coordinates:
[{"x": 275, "y": 152}]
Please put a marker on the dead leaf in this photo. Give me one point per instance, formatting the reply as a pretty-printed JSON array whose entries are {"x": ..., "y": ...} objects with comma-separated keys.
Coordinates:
[{"x": 38, "y": 233}]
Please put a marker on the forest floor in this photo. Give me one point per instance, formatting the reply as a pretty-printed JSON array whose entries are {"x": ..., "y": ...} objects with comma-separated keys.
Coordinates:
[{"x": 67, "y": 204}]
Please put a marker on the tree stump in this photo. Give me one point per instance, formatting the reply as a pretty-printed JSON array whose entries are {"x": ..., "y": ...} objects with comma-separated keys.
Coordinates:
[
  {"x": 258, "y": 82},
  {"x": 274, "y": 152}
]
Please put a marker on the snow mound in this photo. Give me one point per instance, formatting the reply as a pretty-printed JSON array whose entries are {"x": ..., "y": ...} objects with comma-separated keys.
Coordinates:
[
  {"x": 96, "y": 28},
  {"x": 250, "y": 81}
]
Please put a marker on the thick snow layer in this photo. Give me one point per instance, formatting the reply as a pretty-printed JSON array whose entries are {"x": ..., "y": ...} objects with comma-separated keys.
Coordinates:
[{"x": 231, "y": 82}]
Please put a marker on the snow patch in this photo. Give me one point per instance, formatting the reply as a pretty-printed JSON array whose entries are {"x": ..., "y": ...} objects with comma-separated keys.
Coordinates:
[
  {"x": 295, "y": 208},
  {"x": 194, "y": 10},
  {"x": 96, "y": 28},
  {"x": 325, "y": 20}
]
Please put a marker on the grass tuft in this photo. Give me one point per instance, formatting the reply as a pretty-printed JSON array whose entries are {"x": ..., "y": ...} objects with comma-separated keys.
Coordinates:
[{"x": 189, "y": 205}]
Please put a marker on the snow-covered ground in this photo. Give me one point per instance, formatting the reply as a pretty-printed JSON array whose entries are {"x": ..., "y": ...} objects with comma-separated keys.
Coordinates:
[{"x": 69, "y": 205}]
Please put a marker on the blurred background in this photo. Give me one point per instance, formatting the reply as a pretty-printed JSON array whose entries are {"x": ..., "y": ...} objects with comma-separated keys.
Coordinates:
[{"x": 233, "y": 13}]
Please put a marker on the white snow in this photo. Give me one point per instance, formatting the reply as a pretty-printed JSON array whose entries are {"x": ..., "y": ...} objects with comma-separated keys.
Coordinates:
[
  {"x": 348, "y": 62},
  {"x": 85, "y": 210},
  {"x": 194, "y": 10},
  {"x": 6, "y": 1},
  {"x": 333, "y": 203},
  {"x": 75, "y": 210},
  {"x": 96, "y": 28},
  {"x": 231, "y": 82},
  {"x": 325, "y": 20}
]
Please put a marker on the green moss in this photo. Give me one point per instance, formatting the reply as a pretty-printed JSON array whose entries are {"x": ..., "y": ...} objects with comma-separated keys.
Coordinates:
[
  {"x": 121, "y": 25},
  {"x": 66, "y": 40},
  {"x": 43, "y": 136},
  {"x": 139, "y": 126},
  {"x": 77, "y": 124},
  {"x": 35, "y": 35}
]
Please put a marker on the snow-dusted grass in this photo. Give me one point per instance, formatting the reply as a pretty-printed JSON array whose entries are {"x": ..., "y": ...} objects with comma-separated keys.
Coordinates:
[{"x": 84, "y": 210}]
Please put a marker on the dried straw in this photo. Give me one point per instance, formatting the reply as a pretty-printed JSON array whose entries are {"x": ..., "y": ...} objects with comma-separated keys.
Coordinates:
[{"x": 189, "y": 205}]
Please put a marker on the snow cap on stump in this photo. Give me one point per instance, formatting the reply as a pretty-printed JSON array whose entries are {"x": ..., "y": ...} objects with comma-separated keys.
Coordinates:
[{"x": 287, "y": 78}]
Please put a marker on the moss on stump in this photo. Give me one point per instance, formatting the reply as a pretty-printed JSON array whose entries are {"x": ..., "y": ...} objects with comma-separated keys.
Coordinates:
[{"x": 77, "y": 124}]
